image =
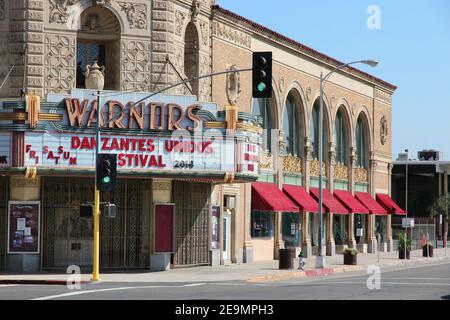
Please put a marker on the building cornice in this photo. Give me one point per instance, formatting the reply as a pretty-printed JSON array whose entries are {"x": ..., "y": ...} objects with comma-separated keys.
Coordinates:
[{"x": 323, "y": 58}]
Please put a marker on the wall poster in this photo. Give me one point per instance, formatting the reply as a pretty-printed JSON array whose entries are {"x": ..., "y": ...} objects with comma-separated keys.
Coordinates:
[
  {"x": 23, "y": 226},
  {"x": 215, "y": 227}
]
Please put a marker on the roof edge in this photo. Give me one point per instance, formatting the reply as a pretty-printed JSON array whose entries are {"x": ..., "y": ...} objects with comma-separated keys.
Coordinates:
[{"x": 303, "y": 47}]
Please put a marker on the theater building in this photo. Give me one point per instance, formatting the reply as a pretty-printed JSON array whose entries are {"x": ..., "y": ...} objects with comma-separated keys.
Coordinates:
[{"x": 207, "y": 175}]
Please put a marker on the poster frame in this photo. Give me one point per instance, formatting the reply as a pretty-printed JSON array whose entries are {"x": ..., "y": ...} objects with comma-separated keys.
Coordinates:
[{"x": 38, "y": 203}]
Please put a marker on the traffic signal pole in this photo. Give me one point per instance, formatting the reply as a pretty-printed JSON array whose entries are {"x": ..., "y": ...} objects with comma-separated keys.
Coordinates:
[{"x": 96, "y": 260}]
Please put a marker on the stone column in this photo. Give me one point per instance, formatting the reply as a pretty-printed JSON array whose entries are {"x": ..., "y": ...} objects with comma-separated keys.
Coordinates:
[
  {"x": 389, "y": 239},
  {"x": 351, "y": 241},
  {"x": 247, "y": 243},
  {"x": 306, "y": 238},
  {"x": 371, "y": 239},
  {"x": 279, "y": 152},
  {"x": 23, "y": 189},
  {"x": 331, "y": 246},
  {"x": 307, "y": 164}
]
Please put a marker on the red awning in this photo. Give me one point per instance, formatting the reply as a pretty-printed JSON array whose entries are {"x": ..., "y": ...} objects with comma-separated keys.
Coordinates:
[
  {"x": 267, "y": 197},
  {"x": 389, "y": 204},
  {"x": 330, "y": 203},
  {"x": 373, "y": 206},
  {"x": 351, "y": 203},
  {"x": 301, "y": 198}
]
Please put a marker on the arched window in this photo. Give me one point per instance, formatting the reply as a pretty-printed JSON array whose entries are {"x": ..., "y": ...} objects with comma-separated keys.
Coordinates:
[
  {"x": 291, "y": 127},
  {"x": 361, "y": 143},
  {"x": 192, "y": 56},
  {"x": 261, "y": 107},
  {"x": 314, "y": 132},
  {"x": 341, "y": 139},
  {"x": 98, "y": 39}
]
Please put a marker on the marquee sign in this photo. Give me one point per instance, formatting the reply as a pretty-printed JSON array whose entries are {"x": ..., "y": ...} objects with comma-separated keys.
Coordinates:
[
  {"x": 5, "y": 149},
  {"x": 165, "y": 135}
]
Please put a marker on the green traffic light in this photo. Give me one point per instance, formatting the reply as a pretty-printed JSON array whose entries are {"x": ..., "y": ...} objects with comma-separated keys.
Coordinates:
[
  {"x": 106, "y": 180},
  {"x": 262, "y": 87}
]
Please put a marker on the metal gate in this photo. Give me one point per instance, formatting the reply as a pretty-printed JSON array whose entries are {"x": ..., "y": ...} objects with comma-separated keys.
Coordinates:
[
  {"x": 68, "y": 239},
  {"x": 4, "y": 198},
  {"x": 192, "y": 202}
]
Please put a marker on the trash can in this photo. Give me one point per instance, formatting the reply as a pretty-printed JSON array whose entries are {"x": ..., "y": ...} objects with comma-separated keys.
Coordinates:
[
  {"x": 286, "y": 258},
  {"x": 428, "y": 250}
]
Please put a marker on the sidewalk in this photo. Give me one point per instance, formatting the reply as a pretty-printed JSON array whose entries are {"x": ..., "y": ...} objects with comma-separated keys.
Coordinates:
[{"x": 265, "y": 271}]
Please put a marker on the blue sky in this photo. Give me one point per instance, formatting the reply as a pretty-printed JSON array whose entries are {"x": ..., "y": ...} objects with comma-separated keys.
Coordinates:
[{"x": 413, "y": 47}]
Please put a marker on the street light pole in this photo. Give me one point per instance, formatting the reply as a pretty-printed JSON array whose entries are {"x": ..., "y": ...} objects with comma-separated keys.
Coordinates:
[
  {"x": 320, "y": 262},
  {"x": 406, "y": 199},
  {"x": 96, "y": 260}
]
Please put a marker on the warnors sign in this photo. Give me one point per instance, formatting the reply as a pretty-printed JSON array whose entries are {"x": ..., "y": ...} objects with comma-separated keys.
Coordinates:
[{"x": 166, "y": 134}]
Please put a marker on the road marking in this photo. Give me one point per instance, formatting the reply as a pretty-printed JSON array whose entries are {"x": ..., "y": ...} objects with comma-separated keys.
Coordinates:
[
  {"x": 8, "y": 285},
  {"x": 77, "y": 293},
  {"x": 391, "y": 283},
  {"x": 194, "y": 285}
]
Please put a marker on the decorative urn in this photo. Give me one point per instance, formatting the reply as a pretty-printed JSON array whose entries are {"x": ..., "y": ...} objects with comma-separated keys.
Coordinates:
[{"x": 95, "y": 77}]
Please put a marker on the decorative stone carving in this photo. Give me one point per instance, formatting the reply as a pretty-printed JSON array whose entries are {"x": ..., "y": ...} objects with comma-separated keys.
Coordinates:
[
  {"x": 59, "y": 62},
  {"x": 205, "y": 32},
  {"x": 361, "y": 175},
  {"x": 161, "y": 185},
  {"x": 233, "y": 36},
  {"x": 136, "y": 14},
  {"x": 135, "y": 66},
  {"x": 308, "y": 149},
  {"x": 308, "y": 93},
  {"x": 101, "y": 2},
  {"x": 314, "y": 168},
  {"x": 340, "y": 171},
  {"x": 92, "y": 24},
  {"x": 233, "y": 84},
  {"x": 292, "y": 165},
  {"x": 383, "y": 96},
  {"x": 179, "y": 22},
  {"x": 333, "y": 101},
  {"x": 282, "y": 84},
  {"x": 59, "y": 10},
  {"x": 2, "y": 10},
  {"x": 281, "y": 143},
  {"x": 266, "y": 160},
  {"x": 205, "y": 84},
  {"x": 195, "y": 10},
  {"x": 384, "y": 130},
  {"x": 95, "y": 77},
  {"x": 20, "y": 182}
]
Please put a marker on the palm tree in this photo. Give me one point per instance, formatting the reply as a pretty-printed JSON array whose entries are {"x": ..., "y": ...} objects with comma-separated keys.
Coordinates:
[{"x": 441, "y": 206}]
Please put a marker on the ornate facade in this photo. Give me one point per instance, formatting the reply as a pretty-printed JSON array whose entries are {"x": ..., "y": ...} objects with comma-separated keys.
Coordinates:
[{"x": 147, "y": 45}]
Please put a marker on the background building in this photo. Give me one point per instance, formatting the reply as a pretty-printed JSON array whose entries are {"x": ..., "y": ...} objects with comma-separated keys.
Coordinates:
[{"x": 147, "y": 45}]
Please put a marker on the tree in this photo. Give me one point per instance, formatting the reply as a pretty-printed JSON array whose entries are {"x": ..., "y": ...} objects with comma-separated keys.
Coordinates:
[{"x": 441, "y": 206}]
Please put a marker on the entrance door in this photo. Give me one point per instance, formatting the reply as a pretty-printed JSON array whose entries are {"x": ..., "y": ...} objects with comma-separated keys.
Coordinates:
[
  {"x": 68, "y": 239},
  {"x": 192, "y": 220},
  {"x": 226, "y": 237}
]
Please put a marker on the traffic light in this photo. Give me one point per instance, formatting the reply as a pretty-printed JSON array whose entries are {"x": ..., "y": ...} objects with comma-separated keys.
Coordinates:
[
  {"x": 262, "y": 75},
  {"x": 106, "y": 171},
  {"x": 87, "y": 211}
]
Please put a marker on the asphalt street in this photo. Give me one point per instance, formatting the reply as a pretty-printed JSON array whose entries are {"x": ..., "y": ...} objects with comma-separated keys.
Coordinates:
[{"x": 429, "y": 282}]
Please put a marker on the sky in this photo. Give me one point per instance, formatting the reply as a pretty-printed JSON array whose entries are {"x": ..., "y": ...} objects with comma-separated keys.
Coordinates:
[{"x": 411, "y": 40}]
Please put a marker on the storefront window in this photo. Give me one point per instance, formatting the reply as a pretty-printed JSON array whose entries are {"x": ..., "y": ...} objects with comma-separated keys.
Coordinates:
[
  {"x": 380, "y": 228},
  {"x": 339, "y": 230},
  {"x": 290, "y": 229},
  {"x": 262, "y": 224},
  {"x": 360, "y": 228}
]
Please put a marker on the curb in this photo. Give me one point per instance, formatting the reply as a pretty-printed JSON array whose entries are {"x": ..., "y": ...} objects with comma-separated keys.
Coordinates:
[{"x": 39, "y": 282}]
